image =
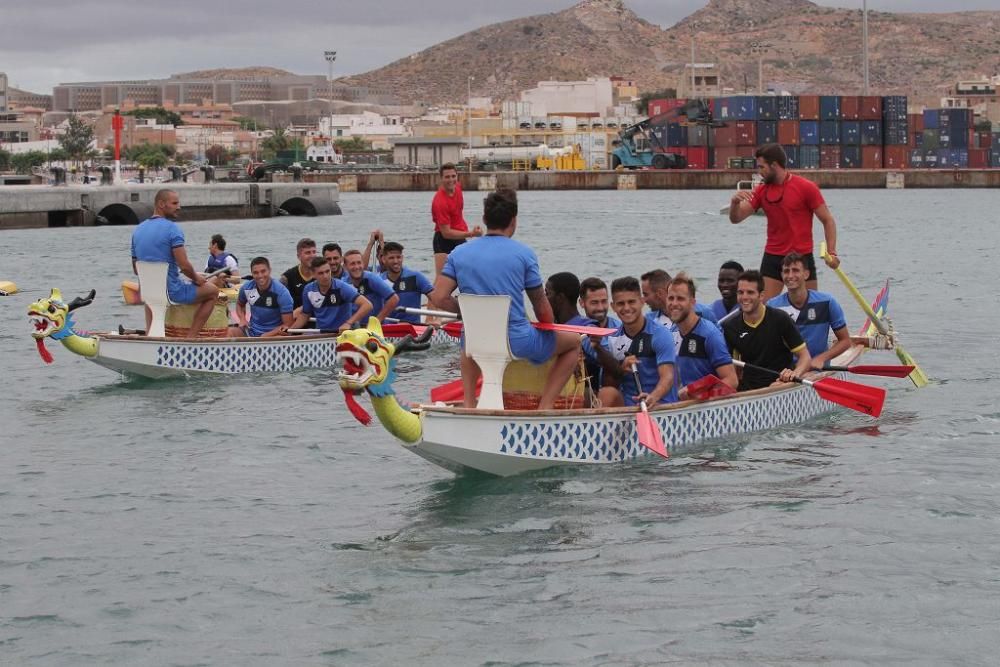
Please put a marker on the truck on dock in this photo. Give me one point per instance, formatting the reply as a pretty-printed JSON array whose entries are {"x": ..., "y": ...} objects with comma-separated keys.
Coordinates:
[{"x": 639, "y": 145}]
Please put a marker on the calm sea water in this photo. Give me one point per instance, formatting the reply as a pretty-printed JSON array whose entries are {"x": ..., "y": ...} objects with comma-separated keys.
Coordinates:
[{"x": 250, "y": 521}]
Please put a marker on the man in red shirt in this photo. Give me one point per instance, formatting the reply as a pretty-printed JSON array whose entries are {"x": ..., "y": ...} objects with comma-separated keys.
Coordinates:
[
  {"x": 450, "y": 228},
  {"x": 789, "y": 201}
]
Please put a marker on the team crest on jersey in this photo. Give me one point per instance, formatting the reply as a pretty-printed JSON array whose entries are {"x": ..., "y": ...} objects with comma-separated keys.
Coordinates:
[
  {"x": 692, "y": 346},
  {"x": 811, "y": 314}
]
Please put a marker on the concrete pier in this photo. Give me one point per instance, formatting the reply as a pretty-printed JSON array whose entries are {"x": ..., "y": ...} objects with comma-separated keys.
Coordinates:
[
  {"x": 30, "y": 206},
  {"x": 683, "y": 179}
]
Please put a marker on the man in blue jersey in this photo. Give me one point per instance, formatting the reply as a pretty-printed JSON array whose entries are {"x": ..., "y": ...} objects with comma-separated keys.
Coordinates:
[
  {"x": 496, "y": 264},
  {"x": 334, "y": 255},
  {"x": 703, "y": 349},
  {"x": 729, "y": 272},
  {"x": 159, "y": 239},
  {"x": 410, "y": 285},
  {"x": 219, "y": 259},
  {"x": 815, "y": 313},
  {"x": 654, "y": 293},
  {"x": 336, "y": 305},
  {"x": 594, "y": 301},
  {"x": 563, "y": 291},
  {"x": 372, "y": 286},
  {"x": 641, "y": 342},
  {"x": 270, "y": 303}
]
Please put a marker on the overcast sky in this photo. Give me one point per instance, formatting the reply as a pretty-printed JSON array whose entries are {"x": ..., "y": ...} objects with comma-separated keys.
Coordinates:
[{"x": 46, "y": 42}]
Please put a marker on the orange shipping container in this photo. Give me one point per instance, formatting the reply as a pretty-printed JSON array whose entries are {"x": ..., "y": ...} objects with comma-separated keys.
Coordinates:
[
  {"x": 871, "y": 157},
  {"x": 809, "y": 107},
  {"x": 896, "y": 157},
  {"x": 788, "y": 132},
  {"x": 871, "y": 107},
  {"x": 850, "y": 107},
  {"x": 978, "y": 158}
]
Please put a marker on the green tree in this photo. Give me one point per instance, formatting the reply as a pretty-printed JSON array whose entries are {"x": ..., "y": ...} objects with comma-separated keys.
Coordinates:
[
  {"x": 5, "y": 158},
  {"x": 152, "y": 159},
  {"x": 246, "y": 123},
  {"x": 218, "y": 155},
  {"x": 58, "y": 155},
  {"x": 353, "y": 145},
  {"x": 77, "y": 138},
  {"x": 642, "y": 104},
  {"x": 162, "y": 116},
  {"x": 277, "y": 142},
  {"x": 23, "y": 162}
]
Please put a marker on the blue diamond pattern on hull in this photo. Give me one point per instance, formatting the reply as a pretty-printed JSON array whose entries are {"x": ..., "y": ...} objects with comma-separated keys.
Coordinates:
[
  {"x": 597, "y": 440},
  {"x": 247, "y": 357}
]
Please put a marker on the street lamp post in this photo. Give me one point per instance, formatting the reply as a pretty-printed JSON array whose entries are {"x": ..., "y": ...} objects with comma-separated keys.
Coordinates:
[
  {"x": 468, "y": 113},
  {"x": 864, "y": 39},
  {"x": 760, "y": 48},
  {"x": 331, "y": 56}
]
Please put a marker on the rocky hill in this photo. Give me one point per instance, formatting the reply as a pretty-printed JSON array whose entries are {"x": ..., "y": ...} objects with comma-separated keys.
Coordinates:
[
  {"x": 232, "y": 74},
  {"x": 812, "y": 49}
]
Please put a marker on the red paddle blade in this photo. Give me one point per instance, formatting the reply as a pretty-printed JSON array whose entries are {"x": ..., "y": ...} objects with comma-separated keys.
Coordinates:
[
  {"x": 573, "y": 328},
  {"x": 649, "y": 434},
  {"x": 853, "y": 395},
  {"x": 453, "y": 329},
  {"x": 452, "y": 391},
  {"x": 707, "y": 387},
  {"x": 400, "y": 329},
  {"x": 885, "y": 371}
]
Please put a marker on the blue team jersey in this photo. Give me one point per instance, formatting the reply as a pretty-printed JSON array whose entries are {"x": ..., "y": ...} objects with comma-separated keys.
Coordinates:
[
  {"x": 718, "y": 309},
  {"x": 700, "y": 352},
  {"x": 653, "y": 346},
  {"x": 331, "y": 309},
  {"x": 409, "y": 286},
  {"x": 495, "y": 265},
  {"x": 581, "y": 321},
  {"x": 376, "y": 289},
  {"x": 266, "y": 305},
  {"x": 154, "y": 240},
  {"x": 820, "y": 315}
]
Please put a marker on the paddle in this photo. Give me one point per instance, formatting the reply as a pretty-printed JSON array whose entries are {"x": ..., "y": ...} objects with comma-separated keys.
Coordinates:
[
  {"x": 452, "y": 391},
  {"x": 884, "y": 371},
  {"x": 541, "y": 326},
  {"x": 647, "y": 430},
  {"x": 917, "y": 375},
  {"x": 708, "y": 387},
  {"x": 853, "y": 395}
]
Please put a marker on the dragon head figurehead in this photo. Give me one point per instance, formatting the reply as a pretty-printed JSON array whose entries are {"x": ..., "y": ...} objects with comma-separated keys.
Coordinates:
[
  {"x": 49, "y": 315},
  {"x": 52, "y": 318}
]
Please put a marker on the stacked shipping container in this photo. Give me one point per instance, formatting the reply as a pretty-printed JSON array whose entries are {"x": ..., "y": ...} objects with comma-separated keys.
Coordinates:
[{"x": 829, "y": 132}]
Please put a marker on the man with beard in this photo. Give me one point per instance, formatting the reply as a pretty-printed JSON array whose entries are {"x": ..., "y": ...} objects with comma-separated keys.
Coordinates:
[
  {"x": 789, "y": 201},
  {"x": 702, "y": 348},
  {"x": 594, "y": 301},
  {"x": 763, "y": 336},
  {"x": 370, "y": 285},
  {"x": 654, "y": 293},
  {"x": 299, "y": 275},
  {"x": 159, "y": 239},
  {"x": 728, "y": 273},
  {"x": 563, "y": 290},
  {"x": 335, "y": 258}
]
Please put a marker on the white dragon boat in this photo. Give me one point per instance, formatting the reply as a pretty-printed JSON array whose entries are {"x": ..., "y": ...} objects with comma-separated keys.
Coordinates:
[
  {"x": 159, "y": 357},
  {"x": 501, "y": 441}
]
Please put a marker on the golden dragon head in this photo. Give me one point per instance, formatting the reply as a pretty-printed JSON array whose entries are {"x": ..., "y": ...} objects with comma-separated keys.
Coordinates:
[
  {"x": 48, "y": 315},
  {"x": 365, "y": 357}
]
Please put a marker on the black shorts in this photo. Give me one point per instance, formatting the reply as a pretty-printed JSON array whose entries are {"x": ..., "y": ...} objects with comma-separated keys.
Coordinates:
[
  {"x": 770, "y": 266},
  {"x": 443, "y": 245}
]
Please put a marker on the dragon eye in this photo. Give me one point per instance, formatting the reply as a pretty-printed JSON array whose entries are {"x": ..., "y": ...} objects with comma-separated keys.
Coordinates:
[
  {"x": 52, "y": 308},
  {"x": 372, "y": 345}
]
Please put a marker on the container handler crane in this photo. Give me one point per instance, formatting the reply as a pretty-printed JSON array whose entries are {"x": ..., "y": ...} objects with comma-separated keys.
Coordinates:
[{"x": 632, "y": 154}]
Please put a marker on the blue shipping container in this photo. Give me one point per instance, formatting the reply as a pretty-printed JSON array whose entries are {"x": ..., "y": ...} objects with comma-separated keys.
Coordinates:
[
  {"x": 958, "y": 118},
  {"x": 850, "y": 157},
  {"x": 767, "y": 108},
  {"x": 788, "y": 107},
  {"x": 917, "y": 158},
  {"x": 809, "y": 132},
  {"x": 894, "y": 107},
  {"x": 792, "y": 155},
  {"x": 948, "y": 158},
  {"x": 871, "y": 133},
  {"x": 896, "y": 132},
  {"x": 829, "y": 132},
  {"x": 739, "y": 107},
  {"x": 995, "y": 159},
  {"x": 767, "y": 132},
  {"x": 930, "y": 159},
  {"x": 677, "y": 135},
  {"x": 850, "y": 132},
  {"x": 931, "y": 119},
  {"x": 957, "y": 138},
  {"x": 829, "y": 107},
  {"x": 996, "y": 142},
  {"x": 808, "y": 157}
]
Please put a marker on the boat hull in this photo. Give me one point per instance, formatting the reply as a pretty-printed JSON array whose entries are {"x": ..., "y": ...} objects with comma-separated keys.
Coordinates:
[
  {"x": 505, "y": 442},
  {"x": 158, "y": 358}
]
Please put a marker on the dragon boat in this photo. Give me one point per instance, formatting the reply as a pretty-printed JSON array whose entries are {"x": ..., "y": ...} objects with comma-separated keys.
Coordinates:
[{"x": 496, "y": 439}]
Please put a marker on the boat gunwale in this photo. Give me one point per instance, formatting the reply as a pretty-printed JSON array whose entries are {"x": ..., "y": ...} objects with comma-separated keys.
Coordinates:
[{"x": 257, "y": 340}]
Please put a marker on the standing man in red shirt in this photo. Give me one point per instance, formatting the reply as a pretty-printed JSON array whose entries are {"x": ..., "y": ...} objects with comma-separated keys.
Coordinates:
[
  {"x": 450, "y": 228},
  {"x": 789, "y": 201}
]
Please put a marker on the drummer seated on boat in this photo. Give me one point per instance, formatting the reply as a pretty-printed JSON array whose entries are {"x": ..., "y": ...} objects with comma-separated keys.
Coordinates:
[
  {"x": 336, "y": 305},
  {"x": 370, "y": 285},
  {"x": 641, "y": 342},
  {"x": 562, "y": 291},
  {"x": 270, "y": 303},
  {"x": 728, "y": 274},
  {"x": 703, "y": 349},
  {"x": 815, "y": 313},
  {"x": 498, "y": 265},
  {"x": 410, "y": 285},
  {"x": 160, "y": 239},
  {"x": 219, "y": 259},
  {"x": 763, "y": 336}
]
